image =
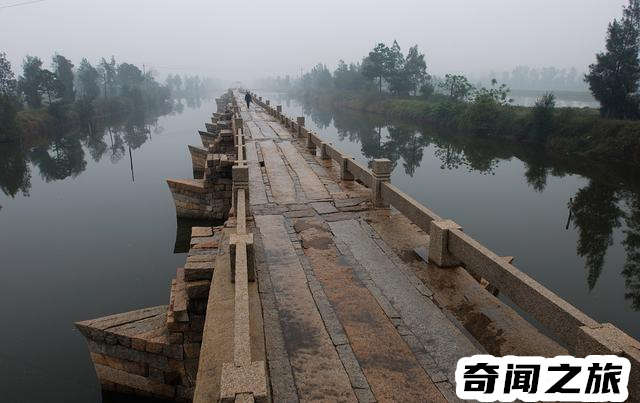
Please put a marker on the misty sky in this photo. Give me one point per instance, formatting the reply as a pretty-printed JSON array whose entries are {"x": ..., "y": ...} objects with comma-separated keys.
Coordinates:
[{"x": 247, "y": 39}]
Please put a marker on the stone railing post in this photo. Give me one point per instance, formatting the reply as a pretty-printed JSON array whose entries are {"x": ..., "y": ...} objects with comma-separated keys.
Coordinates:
[
  {"x": 381, "y": 173},
  {"x": 324, "y": 154},
  {"x": 310, "y": 145},
  {"x": 345, "y": 175},
  {"x": 439, "y": 243},
  {"x": 240, "y": 177},
  {"x": 300, "y": 121},
  {"x": 239, "y": 125},
  {"x": 279, "y": 111}
]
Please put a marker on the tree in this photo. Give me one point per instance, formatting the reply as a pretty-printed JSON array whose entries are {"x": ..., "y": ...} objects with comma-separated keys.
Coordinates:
[
  {"x": 50, "y": 85},
  {"x": 31, "y": 81},
  {"x": 613, "y": 79},
  {"x": 543, "y": 116},
  {"x": 88, "y": 80},
  {"x": 129, "y": 78},
  {"x": 375, "y": 65},
  {"x": 415, "y": 69},
  {"x": 8, "y": 96},
  {"x": 456, "y": 86},
  {"x": 8, "y": 83},
  {"x": 108, "y": 72},
  {"x": 63, "y": 69}
]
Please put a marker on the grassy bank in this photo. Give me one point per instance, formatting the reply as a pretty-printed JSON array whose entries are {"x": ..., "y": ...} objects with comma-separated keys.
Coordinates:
[{"x": 563, "y": 132}]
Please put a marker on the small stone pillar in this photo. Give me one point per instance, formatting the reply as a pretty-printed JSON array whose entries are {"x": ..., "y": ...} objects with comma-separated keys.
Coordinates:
[
  {"x": 239, "y": 125},
  {"x": 324, "y": 154},
  {"x": 345, "y": 175},
  {"x": 260, "y": 99},
  {"x": 240, "y": 177},
  {"x": 279, "y": 111},
  {"x": 381, "y": 173},
  {"x": 267, "y": 102},
  {"x": 439, "y": 243},
  {"x": 300, "y": 121},
  {"x": 310, "y": 144}
]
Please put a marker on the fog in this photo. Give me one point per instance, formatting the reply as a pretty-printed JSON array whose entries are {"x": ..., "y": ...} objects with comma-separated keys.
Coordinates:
[{"x": 242, "y": 40}]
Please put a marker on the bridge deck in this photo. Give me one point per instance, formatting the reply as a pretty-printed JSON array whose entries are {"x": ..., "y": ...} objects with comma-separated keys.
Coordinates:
[{"x": 343, "y": 310}]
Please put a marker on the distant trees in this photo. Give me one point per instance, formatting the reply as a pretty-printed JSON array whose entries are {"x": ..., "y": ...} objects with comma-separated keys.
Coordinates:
[
  {"x": 319, "y": 78},
  {"x": 384, "y": 67},
  {"x": 404, "y": 75},
  {"x": 545, "y": 78},
  {"x": 349, "y": 77}
]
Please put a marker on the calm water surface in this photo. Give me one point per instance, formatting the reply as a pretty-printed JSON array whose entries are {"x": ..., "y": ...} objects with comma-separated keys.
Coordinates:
[
  {"x": 515, "y": 201},
  {"x": 84, "y": 236}
]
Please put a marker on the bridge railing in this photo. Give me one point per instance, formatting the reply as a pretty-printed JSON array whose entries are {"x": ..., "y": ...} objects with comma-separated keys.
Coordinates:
[
  {"x": 242, "y": 380},
  {"x": 449, "y": 246}
]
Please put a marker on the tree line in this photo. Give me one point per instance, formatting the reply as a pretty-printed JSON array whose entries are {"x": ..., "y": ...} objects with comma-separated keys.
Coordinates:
[
  {"x": 542, "y": 79},
  {"x": 85, "y": 90}
]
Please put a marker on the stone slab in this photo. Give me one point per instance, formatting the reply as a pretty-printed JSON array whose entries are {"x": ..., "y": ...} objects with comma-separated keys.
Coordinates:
[
  {"x": 311, "y": 184},
  {"x": 388, "y": 364},
  {"x": 281, "y": 183},
  {"x": 324, "y": 207},
  {"x": 317, "y": 369},
  {"x": 441, "y": 338}
]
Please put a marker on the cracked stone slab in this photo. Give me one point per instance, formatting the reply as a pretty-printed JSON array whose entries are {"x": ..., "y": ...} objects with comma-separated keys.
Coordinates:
[
  {"x": 317, "y": 369},
  {"x": 441, "y": 338}
]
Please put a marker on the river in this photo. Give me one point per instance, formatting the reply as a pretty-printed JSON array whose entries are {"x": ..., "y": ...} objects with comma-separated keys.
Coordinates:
[{"x": 87, "y": 229}]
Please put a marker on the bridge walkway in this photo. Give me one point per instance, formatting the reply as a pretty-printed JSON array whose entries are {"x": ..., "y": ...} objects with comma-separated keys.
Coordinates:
[{"x": 347, "y": 311}]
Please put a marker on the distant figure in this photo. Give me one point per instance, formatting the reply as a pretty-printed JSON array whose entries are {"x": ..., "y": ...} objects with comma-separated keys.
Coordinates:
[{"x": 248, "y": 99}]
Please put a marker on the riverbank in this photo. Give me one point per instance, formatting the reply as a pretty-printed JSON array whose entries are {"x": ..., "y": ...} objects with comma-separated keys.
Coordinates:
[{"x": 563, "y": 132}]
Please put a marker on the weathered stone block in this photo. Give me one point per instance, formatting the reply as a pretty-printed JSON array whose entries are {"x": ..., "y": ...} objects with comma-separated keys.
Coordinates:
[
  {"x": 438, "y": 243},
  {"x": 198, "y": 289}
]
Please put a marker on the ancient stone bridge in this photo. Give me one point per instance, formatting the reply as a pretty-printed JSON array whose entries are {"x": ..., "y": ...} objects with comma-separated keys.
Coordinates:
[{"x": 312, "y": 289}]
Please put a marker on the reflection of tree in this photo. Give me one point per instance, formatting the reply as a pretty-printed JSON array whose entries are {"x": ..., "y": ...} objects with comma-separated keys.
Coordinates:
[
  {"x": 536, "y": 175},
  {"x": 406, "y": 142},
  {"x": 96, "y": 145},
  {"x": 64, "y": 157},
  {"x": 15, "y": 175},
  {"x": 596, "y": 213},
  {"x": 631, "y": 271},
  {"x": 116, "y": 148}
]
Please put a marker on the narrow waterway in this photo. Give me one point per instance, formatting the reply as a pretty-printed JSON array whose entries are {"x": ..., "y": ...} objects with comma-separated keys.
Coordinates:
[
  {"x": 514, "y": 200},
  {"x": 87, "y": 229}
]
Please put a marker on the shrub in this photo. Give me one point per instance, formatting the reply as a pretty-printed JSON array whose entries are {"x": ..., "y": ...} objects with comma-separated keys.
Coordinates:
[{"x": 542, "y": 116}]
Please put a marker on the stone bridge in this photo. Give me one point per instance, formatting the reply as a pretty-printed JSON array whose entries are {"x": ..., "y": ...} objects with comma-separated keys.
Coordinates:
[{"x": 313, "y": 290}]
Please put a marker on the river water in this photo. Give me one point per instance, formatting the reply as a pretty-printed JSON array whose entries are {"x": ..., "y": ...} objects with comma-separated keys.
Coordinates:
[
  {"x": 83, "y": 235},
  {"x": 88, "y": 227},
  {"x": 514, "y": 200}
]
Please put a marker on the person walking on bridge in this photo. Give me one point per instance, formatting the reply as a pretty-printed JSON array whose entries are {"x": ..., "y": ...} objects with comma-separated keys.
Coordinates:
[{"x": 248, "y": 99}]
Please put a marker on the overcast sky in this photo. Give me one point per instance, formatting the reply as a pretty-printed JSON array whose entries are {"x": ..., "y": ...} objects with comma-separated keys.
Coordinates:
[{"x": 247, "y": 39}]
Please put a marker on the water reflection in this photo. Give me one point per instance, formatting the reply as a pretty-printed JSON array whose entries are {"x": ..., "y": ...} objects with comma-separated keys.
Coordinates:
[
  {"x": 60, "y": 151},
  {"x": 609, "y": 201}
]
